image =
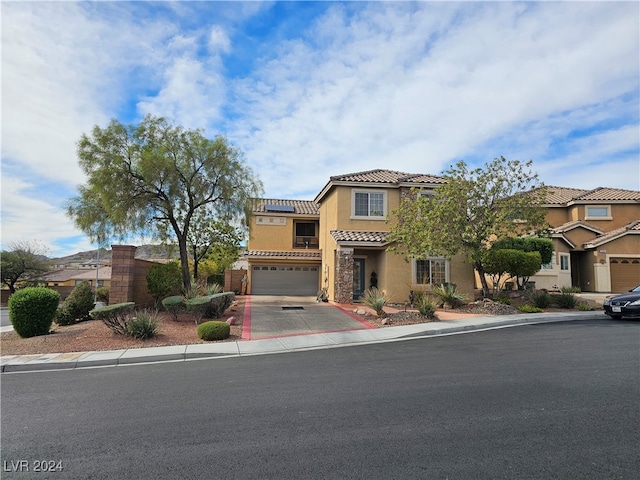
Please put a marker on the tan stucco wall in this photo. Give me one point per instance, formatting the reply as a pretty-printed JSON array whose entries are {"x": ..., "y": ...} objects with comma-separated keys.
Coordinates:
[
  {"x": 271, "y": 236},
  {"x": 578, "y": 236},
  {"x": 341, "y": 203}
]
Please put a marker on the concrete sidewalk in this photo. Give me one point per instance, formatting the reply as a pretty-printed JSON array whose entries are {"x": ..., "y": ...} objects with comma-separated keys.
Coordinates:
[{"x": 292, "y": 343}]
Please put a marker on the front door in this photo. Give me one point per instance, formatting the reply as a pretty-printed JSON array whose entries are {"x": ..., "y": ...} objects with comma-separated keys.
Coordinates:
[{"x": 358, "y": 278}]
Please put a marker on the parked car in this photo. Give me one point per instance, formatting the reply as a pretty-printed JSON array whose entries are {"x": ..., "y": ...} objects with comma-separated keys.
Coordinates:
[{"x": 625, "y": 305}]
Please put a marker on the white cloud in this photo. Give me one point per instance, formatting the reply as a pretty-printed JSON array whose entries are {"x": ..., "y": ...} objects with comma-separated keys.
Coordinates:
[{"x": 397, "y": 88}]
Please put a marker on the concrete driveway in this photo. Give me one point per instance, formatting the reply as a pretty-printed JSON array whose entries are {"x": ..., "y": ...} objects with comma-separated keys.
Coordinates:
[{"x": 268, "y": 316}]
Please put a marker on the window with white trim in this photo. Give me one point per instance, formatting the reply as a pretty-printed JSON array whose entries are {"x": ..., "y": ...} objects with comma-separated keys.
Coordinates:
[
  {"x": 430, "y": 271},
  {"x": 369, "y": 204},
  {"x": 597, "y": 212},
  {"x": 564, "y": 262}
]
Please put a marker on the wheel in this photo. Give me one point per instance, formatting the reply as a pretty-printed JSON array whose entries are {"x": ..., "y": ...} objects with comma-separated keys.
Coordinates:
[{"x": 616, "y": 317}]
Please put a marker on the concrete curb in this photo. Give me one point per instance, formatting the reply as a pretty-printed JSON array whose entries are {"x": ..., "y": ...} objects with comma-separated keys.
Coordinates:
[{"x": 181, "y": 353}]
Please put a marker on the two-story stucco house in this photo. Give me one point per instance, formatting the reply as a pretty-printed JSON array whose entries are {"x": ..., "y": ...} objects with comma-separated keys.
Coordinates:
[
  {"x": 338, "y": 241},
  {"x": 596, "y": 237}
]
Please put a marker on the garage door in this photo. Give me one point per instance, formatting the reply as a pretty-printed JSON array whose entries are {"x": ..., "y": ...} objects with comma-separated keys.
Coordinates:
[
  {"x": 625, "y": 274},
  {"x": 284, "y": 280}
]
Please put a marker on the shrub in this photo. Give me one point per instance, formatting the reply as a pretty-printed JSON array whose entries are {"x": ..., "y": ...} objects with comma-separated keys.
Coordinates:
[
  {"x": 214, "y": 288},
  {"x": 375, "y": 299},
  {"x": 426, "y": 306},
  {"x": 174, "y": 305},
  {"x": 214, "y": 330},
  {"x": 32, "y": 310},
  {"x": 529, "y": 309},
  {"x": 219, "y": 303},
  {"x": 566, "y": 300},
  {"x": 115, "y": 317},
  {"x": 164, "y": 279},
  {"x": 102, "y": 294},
  {"x": 570, "y": 290},
  {"x": 503, "y": 298},
  {"x": 198, "y": 307},
  {"x": 144, "y": 325},
  {"x": 585, "y": 307},
  {"x": 541, "y": 299},
  {"x": 447, "y": 295},
  {"x": 76, "y": 306}
]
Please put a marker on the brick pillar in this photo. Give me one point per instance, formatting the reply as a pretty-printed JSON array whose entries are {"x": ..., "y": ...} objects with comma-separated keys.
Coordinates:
[
  {"x": 344, "y": 275},
  {"x": 123, "y": 266}
]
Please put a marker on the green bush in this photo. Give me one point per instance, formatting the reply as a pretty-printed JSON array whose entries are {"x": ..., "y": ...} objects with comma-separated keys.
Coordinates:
[
  {"x": 447, "y": 295},
  {"x": 198, "y": 307},
  {"x": 541, "y": 299},
  {"x": 503, "y": 298},
  {"x": 376, "y": 300},
  {"x": 174, "y": 305},
  {"x": 585, "y": 307},
  {"x": 214, "y": 288},
  {"x": 102, "y": 294},
  {"x": 144, "y": 325},
  {"x": 529, "y": 309},
  {"x": 426, "y": 306},
  {"x": 76, "y": 306},
  {"x": 32, "y": 310},
  {"x": 115, "y": 316},
  {"x": 570, "y": 290},
  {"x": 566, "y": 300},
  {"x": 214, "y": 330},
  {"x": 164, "y": 279},
  {"x": 219, "y": 303}
]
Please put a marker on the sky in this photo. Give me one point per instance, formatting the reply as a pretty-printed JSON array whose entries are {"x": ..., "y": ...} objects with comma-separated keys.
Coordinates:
[{"x": 308, "y": 90}]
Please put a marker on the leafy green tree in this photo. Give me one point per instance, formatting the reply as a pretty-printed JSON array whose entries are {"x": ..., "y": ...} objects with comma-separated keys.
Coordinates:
[
  {"x": 213, "y": 240},
  {"x": 500, "y": 259},
  {"x": 153, "y": 178},
  {"x": 163, "y": 279},
  {"x": 528, "y": 244},
  {"x": 469, "y": 211},
  {"x": 24, "y": 262}
]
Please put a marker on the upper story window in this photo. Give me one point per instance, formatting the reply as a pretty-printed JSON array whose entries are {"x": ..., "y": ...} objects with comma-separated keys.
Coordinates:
[
  {"x": 306, "y": 235},
  {"x": 369, "y": 204},
  {"x": 597, "y": 212}
]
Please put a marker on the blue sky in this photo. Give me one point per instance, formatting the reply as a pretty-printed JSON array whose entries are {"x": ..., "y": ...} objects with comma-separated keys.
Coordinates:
[{"x": 308, "y": 90}]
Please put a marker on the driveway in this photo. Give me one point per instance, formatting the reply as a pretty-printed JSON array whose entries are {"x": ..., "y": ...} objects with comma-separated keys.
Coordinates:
[{"x": 268, "y": 316}]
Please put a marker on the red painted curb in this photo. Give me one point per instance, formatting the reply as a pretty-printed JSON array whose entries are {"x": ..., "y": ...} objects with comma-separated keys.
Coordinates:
[{"x": 246, "y": 319}]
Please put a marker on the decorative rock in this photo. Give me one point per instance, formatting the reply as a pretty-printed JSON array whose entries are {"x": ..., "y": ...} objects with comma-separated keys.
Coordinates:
[
  {"x": 231, "y": 320},
  {"x": 386, "y": 321},
  {"x": 361, "y": 312}
]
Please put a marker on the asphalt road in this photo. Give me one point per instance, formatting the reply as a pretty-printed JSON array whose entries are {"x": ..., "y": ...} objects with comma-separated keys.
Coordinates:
[{"x": 534, "y": 402}]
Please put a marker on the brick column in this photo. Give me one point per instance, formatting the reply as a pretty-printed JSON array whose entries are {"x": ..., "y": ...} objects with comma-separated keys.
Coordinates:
[
  {"x": 344, "y": 275},
  {"x": 123, "y": 266}
]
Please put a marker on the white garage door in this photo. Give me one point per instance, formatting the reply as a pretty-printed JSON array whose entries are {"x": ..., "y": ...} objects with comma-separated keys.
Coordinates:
[{"x": 284, "y": 280}]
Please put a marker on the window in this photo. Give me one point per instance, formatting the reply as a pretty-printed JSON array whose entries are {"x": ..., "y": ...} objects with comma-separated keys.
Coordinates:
[
  {"x": 564, "y": 262},
  {"x": 101, "y": 283},
  {"x": 369, "y": 204},
  {"x": 430, "y": 271},
  {"x": 595, "y": 212},
  {"x": 305, "y": 229},
  {"x": 547, "y": 266}
]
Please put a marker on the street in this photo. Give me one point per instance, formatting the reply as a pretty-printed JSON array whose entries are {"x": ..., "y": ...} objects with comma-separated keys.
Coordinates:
[
  {"x": 4, "y": 317},
  {"x": 532, "y": 402}
]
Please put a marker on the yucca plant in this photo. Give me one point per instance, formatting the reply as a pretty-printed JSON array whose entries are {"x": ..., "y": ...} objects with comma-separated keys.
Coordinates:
[
  {"x": 447, "y": 295},
  {"x": 426, "y": 306},
  {"x": 375, "y": 299}
]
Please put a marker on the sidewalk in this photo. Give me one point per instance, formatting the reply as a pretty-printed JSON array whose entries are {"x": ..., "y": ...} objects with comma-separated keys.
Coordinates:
[{"x": 57, "y": 361}]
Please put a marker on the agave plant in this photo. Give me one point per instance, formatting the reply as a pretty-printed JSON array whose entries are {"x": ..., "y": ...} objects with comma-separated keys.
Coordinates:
[
  {"x": 375, "y": 299},
  {"x": 448, "y": 296}
]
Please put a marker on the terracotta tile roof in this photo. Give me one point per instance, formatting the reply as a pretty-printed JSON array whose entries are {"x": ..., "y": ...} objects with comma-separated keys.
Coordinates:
[
  {"x": 312, "y": 255},
  {"x": 64, "y": 274},
  {"x": 631, "y": 228},
  {"x": 605, "y": 194},
  {"x": 565, "y": 227},
  {"x": 342, "y": 236},
  {"x": 386, "y": 176},
  {"x": 562, "y": 195},
  {"x": 300, "y": 207},
  {"x": 104, "y": 273}
]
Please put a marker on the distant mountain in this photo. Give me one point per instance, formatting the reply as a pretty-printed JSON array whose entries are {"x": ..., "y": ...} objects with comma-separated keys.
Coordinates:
[{"x": 143, "y": 252}]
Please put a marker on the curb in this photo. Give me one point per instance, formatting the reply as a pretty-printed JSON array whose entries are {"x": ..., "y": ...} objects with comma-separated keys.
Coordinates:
[{"x": 182, "y": 353}]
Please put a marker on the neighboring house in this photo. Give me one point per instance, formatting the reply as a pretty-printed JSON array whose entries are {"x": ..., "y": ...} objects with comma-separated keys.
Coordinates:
[
  {"x": 339, "y": 242},
  {"x": 70, "y": 277},
  {"x": 596, "y": 238}
]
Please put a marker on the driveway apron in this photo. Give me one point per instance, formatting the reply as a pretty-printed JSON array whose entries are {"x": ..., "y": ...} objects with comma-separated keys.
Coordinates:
[{"x": 269, "y": 316}]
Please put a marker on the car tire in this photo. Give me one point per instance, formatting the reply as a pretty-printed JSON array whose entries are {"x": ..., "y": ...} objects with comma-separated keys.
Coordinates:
[{"x": 616, "y": 317}]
